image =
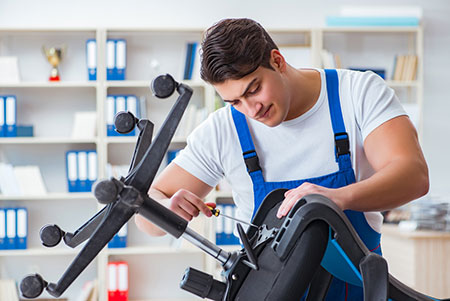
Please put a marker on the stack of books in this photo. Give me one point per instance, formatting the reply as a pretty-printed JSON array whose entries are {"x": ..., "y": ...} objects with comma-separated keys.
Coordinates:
[
  {"x": 405, "y": 68},
  {"x": 429, "y": 216}
]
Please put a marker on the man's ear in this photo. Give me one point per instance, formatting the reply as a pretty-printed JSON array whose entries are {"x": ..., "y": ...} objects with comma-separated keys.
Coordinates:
[{"x": 277, "y": 60}]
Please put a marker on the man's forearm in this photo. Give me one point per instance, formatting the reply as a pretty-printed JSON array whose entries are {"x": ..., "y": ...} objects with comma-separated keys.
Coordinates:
[
  {"x": 144, "y": 224},
  {"x": 393, "y": 186}
]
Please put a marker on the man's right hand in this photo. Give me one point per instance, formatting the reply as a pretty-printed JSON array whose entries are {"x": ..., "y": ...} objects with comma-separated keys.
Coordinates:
[
  {"x": 187, "y": 205},
  {"x": 179, "y": 191}
]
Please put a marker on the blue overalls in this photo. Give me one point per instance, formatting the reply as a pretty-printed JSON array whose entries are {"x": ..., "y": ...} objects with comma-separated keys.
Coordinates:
[{"x": 333, "y": 260}]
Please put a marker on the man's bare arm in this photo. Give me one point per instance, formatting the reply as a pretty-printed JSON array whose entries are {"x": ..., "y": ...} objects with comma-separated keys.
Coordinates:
[
  {"x": 179, "y": 191},
  {"x": 401, "y": 173}
]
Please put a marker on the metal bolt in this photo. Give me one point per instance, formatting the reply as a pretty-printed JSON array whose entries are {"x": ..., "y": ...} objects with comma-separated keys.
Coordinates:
[{"x": 234, "y": 277}]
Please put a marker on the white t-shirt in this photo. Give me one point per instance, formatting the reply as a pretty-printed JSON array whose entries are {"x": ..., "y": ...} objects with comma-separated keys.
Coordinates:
[{"x": 297, "y": 149}]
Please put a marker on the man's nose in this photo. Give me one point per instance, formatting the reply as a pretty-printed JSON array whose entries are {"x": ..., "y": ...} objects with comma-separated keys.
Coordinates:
[{"x": 253, "y": 109}]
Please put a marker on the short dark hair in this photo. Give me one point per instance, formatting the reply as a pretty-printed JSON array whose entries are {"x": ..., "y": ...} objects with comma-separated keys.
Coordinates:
[{"x": 234, "y": 48}]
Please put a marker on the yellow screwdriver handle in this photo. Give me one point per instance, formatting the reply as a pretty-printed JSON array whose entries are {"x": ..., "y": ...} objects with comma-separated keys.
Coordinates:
[{"x": 214, "y": 211}]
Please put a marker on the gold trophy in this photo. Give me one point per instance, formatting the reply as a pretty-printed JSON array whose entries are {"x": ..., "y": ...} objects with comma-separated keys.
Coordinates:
[{"x": 54, "y": 56}]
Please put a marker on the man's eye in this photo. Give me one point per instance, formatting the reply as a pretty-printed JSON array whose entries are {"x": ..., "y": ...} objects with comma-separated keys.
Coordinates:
[
  {"x": 254, "y": 91},
  {"x": 234, "y": 102}
]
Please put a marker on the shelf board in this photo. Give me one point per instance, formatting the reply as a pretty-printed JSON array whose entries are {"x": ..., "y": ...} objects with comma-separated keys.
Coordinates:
[
  {"x": 146, "y": 83},
  {"x": 45, "y": 140},
  {"x": 41, "y": 251},
  {"x": 61, "y": 84},
  {"x": 50, "y": 196},
  {"x": 151, "y": 250},
  {"x": 133, "y": 140},
  {"x": 121, "y": 140}
]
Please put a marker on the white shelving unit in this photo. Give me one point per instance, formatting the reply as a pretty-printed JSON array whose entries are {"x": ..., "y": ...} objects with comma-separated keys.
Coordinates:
[
  {"x": 376, "y": 47},
  {"x": 156, "y": 264}
]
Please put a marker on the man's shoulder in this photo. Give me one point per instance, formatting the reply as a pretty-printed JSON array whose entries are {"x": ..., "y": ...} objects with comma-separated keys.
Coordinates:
[{"x": 355, "y": 77}]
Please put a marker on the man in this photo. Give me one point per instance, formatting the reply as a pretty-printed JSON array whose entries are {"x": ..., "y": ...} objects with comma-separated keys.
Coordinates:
[{"x": 342, "y": 134}]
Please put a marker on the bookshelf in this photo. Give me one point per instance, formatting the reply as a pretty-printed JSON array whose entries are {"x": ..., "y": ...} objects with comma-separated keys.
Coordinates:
[
  {"x": 377, "y": 47},
  {"x": 156, "y": 264}
]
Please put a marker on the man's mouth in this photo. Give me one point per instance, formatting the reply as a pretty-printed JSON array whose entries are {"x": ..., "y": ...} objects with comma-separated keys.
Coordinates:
[{"x": 266, "y": 113}]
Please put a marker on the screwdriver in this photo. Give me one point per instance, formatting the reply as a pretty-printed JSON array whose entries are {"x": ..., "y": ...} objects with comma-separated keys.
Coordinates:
[{"x": 217, "y": 212}]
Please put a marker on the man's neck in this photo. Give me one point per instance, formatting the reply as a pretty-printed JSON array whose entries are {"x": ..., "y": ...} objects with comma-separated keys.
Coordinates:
[{"x": 305, "y": 91}]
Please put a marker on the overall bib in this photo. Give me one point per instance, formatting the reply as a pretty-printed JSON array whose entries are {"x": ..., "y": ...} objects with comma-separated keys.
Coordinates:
[{"x": 333, "y": 260}]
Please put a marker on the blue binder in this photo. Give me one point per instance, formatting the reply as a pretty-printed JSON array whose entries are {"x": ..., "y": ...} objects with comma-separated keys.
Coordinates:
[
  {"x": 133, "y": 107},
  {"x": 120, "y": 239},
  {"x": 2, "y": 229},
  {"x": 92, "y": 169},
  {"x": 110, "y": 112},
  {"x": 72, "y": 171},
  {"x": 191, "y": 50},
  {"x": 220, "y": 228},
  {"x": 2, "y": 117},
  {"x": 22, "y": 228},
  {"x": 110, "y": 59},
  {"x": 91, "y": 58},
  {"x": 11, "y": 226},
  {"x": 120, "y": 106},
  {"x": 10, "y": 115},
  {"x": 230, "y": 225},
  {"x": 83, "y": 171},
  {"x": 121, "y": 59},
  {"x": 171, "y": 154}
]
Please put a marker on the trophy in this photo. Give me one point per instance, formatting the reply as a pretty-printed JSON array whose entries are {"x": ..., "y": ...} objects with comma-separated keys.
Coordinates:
[{"x": 54, "y": 56}]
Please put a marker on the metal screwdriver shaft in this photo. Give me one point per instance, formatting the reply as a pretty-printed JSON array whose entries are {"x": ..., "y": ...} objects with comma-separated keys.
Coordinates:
[{"x": 217, "y": 212}]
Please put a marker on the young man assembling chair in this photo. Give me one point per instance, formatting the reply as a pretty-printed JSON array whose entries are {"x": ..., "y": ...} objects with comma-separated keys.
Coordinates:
[{"x": 339, "y": 133}]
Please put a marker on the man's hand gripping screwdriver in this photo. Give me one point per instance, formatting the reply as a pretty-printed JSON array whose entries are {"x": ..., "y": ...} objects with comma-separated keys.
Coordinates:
[{"x": 217, "y": 212}]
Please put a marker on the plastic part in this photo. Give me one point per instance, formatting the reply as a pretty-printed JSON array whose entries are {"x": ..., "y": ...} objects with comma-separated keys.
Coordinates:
[
  {"x": 51, "y": 235},
  {"x": 32, "y": 286},
  {"x": 202, "y": 284},
  {"x": 163, "y": 86}
]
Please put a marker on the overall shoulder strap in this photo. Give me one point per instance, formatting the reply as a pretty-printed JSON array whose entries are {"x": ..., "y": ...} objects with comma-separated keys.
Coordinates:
[
  {"x": 340, "y": 135},
  {"x": 245, "y": 139}
]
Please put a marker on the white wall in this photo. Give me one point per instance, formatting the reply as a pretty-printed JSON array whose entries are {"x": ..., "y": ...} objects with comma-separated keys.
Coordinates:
[{"x": 273, "y": 14}]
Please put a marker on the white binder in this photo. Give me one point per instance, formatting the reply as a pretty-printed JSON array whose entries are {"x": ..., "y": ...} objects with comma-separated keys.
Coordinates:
[
  {"x": 22, "y": 228},
  {"x": 110, "y": 59},
  {"x": 2, "y": 229},
  {"x": 121, "y": 59},
  {"x": 10, "y": 114},
  {"x": 91, "y": 58},
  {"x": 110, "y": 112},
  {"x": 11, "y": 226},
  {"x": 72, "y": 172},
  {"x": 2, "y": 117},
  {"x": 132, "y": 105},
  {"x": 82, "y": 171},
  {"x": 92, "y": 167}
]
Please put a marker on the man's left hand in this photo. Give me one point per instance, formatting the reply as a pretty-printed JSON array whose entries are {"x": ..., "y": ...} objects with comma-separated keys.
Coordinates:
[{"x": 294, "y": 195}]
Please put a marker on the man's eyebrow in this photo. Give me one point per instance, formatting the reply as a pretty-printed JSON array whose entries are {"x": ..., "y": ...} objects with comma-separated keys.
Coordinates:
[{"x": 246, "y": 89}]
